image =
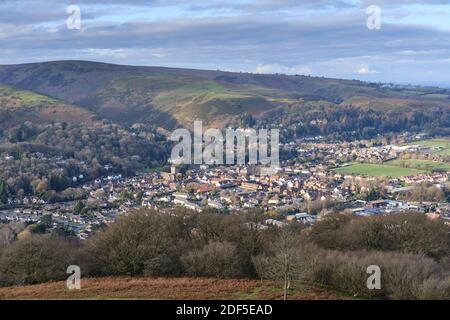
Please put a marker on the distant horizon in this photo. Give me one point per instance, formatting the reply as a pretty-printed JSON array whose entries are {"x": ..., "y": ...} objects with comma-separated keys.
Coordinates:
[
  {"x": 394, "y": 41},
  {"x": 437, "y": 84}
]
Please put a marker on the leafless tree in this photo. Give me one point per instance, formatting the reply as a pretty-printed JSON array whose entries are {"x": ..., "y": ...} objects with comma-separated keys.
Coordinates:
[{"x": 285, "y": 260}]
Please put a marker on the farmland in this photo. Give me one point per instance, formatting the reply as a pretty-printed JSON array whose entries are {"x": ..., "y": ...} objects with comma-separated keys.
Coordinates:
[
  {"x": 420, "y": 164},
  {"x": 440, "y": 146},
  {"x": 377, "y": 170},
  {"x": 166, "y": 288},
  {"x": 394, "y": 168}
]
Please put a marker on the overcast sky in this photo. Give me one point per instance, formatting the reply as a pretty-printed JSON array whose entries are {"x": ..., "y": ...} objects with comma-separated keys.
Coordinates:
[{"x": 317, "y": 37}]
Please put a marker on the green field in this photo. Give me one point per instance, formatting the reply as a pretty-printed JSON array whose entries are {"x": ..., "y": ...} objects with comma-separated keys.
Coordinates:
[
  {"x": 420, "y": 164},
  {"x": 23, "y": 97},
  {"x": 442, "y": 145},
  {"x": 377, "y": 170}
]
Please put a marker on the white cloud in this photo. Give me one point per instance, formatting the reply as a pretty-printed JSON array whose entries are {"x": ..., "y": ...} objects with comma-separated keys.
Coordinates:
[
  {"x": 232, "y": 35},
  {"x": 277, "y": 68},
  {"x": 365, "y": 70},
  {"x": 8, "y": 31}
]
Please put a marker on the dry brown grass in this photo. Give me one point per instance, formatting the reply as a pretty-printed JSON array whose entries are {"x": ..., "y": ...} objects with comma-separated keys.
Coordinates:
[{"x": 164, "y": 288}]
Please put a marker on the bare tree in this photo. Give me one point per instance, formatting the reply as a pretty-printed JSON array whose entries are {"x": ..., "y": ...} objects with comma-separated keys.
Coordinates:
[{"x": 285, "y": 260}]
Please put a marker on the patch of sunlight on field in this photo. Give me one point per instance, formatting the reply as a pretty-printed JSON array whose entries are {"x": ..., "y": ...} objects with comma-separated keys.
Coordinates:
[
  {"x": 420, "y": 164},
  {"x": 441, "y": 145},
  {"x": 377, "y": 170}
]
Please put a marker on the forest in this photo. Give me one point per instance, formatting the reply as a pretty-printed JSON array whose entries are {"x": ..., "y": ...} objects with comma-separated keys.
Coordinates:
[
  {"x": 46, "y": 160},
  {"x": 348, "y": 123}
]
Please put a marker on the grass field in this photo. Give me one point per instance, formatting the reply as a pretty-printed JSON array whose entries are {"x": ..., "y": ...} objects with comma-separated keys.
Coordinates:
[
  {"x": 377, "y": 170},
  {"x": 19, "y": 97},
  {"x": 167, "y": 289},
  {"x": 441, "y": 145},
  {"x": 420, "y": 164}
]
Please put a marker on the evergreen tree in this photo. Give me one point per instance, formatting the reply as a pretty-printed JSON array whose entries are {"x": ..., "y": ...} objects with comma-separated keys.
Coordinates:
[{"x": 3, "y": 192}]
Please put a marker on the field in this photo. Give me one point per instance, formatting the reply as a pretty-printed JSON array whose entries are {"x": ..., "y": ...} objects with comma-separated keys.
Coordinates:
[
  {"x": 420, "y": 164},
  {"x": 401, "y": 168},
  {"x": 377, "y": 170},
  {"x": 441, "y": 145},
  {"x": 166, "y": 288},
  {"x": 16, "y": 97}
]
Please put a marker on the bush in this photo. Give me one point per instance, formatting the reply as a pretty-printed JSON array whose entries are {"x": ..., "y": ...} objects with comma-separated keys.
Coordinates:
[
  {"x": 403, "y": 276},
  {"x": 409, "y": 233},
  {"x": 327, "y": 233},
  {"x": 239, "y": 229},
  {"x": 435, "y": 288},
  {"x": 216, "y": 259},
  {"x": 9, "y": 232},
  {"x": 143, "y": 243},
  {"x": 36, "y": 259}
]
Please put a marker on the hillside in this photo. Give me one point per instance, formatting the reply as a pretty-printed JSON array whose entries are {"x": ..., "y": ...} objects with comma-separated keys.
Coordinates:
[
  {"x": 18, "y": 106},
  {"x": 44, "y": 138},
  {"x": 79, "y": 118},
  {"x": 166, "y": 288},
  {"x": 169, "y": 97}
]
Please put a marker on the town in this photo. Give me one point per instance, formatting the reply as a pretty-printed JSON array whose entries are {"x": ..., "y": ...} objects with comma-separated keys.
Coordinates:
[{"x": 305, "y": 188}]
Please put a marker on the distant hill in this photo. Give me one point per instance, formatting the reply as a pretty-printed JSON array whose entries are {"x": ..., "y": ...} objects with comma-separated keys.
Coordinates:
[
  {"x": 45, "y": 138},
  {"x": 18, "y": 106},
  {"x": 169, "y": 97}
]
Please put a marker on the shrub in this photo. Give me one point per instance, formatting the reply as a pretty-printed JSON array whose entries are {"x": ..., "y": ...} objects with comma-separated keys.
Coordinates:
[
  {"x": 9, "y": 232},
  {"x": 36, "y": 259},
  {"x": 144, "y": 242},
  {"x": 216, "y": 259},
  {"x": 403, "y": 276},
  {"x": 327, "y": 232},
  {"x": 435, "y": 288},
  {"x": 409, "y": 233}
]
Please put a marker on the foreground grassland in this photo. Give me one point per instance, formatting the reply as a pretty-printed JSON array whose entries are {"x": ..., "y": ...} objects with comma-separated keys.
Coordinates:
[
  {"x": 441, "y": 145},
  {"x": 378, "y": 170},
  {"x": 167, "y": 288}
]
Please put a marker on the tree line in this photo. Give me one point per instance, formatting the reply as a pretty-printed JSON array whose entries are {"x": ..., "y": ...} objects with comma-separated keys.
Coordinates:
[
  {"x": 46, "y": 160},
  {"x": 347, "y": 123}
]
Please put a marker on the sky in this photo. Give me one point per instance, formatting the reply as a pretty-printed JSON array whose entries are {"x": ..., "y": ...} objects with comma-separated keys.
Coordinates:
[{"x": 399, "y": 41}]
